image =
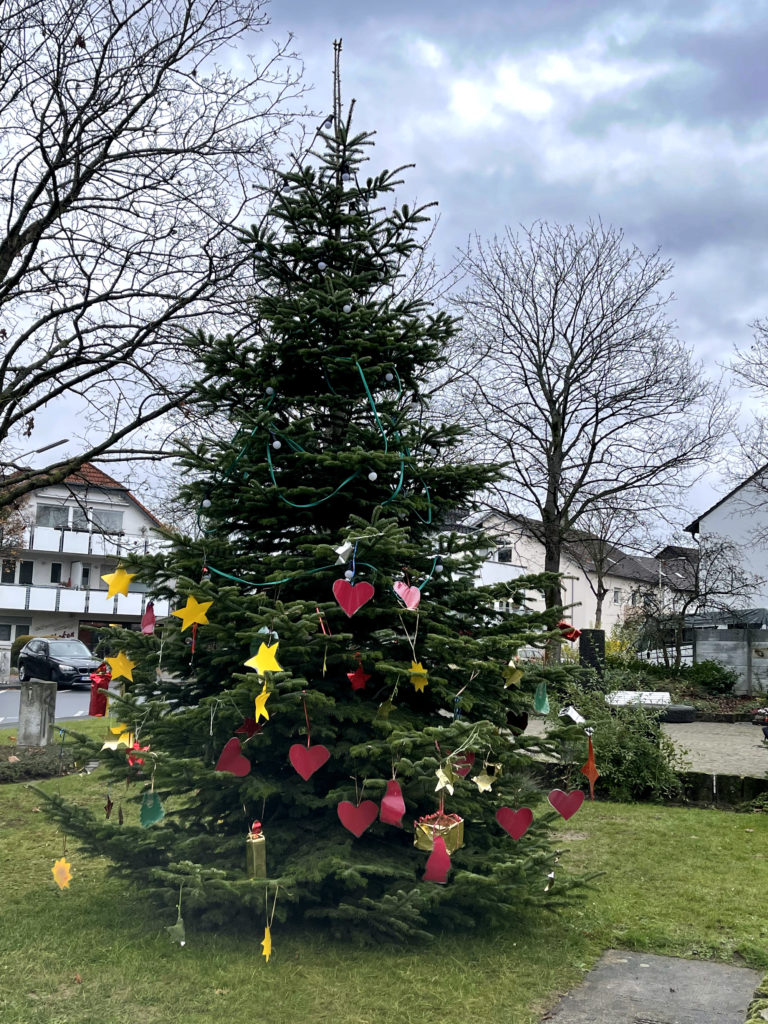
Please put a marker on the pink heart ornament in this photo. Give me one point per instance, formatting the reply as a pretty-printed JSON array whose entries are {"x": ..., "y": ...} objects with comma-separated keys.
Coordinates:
[
  {"x": 357, "y": 819},
  {"x": 464, "y": 766},
  {"x": 352, "y": 596},
  {"x": 566, "y": 804},
  {"x": 231, "y": 760},
  {"x": 438, "y": 863},
  {"x": 307, "y": 760},
  {"x": 516, "y": 823},
  {"x": 410, "y": 596},
  {"x": 393, "y": 805}
]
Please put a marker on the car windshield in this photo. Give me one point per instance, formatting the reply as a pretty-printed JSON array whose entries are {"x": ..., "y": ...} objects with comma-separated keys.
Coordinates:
[{"x": 68, "y": 649}]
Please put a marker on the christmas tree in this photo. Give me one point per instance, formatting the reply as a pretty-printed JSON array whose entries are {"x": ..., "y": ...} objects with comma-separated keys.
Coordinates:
[{"x": 331, "y": 671}]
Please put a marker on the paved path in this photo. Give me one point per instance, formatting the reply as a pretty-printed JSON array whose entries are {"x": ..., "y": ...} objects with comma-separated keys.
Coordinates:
[
  {"x": 722, "y": 748},
  {"x": 640, "y": 988}
]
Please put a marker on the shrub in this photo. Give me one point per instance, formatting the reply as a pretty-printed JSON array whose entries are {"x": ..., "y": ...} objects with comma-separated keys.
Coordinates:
[
  {"x": 711, "y": 677},
  {"x": 635, "y": 758},
  {"x": 16, "y": 646}
]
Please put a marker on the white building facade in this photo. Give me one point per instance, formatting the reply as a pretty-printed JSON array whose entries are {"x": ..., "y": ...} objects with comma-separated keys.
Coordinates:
[
  {"x": 519, "y": 553},
  {"x": 75, "y": 533}
]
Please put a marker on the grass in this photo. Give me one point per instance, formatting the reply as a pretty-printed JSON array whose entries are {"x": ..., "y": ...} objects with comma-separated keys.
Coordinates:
[{"x": 681, "y": 881}]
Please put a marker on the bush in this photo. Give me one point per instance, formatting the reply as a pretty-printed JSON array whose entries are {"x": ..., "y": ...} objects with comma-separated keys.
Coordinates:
[
  {"x": 16, "y": 646},
  {"x": 635, "y": 758},
  {"x": 711, "y": 677}
]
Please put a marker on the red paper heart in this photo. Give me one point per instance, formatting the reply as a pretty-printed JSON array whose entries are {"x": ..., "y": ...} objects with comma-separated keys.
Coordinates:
[
  {"x": 352, "y": 596},
  {"x": 306, "y": 760},
  {"x": 231, "y": 760},
  {"x": 438, "y": 862},
  {"x": 516, "y": 823},
  {"x": 393, "y": 805},
  {"x": 566, "y": 804},
  {"x": 464, "y": 766},
  {"x": 410, "y": 596},
  {"x": 357, "y": 819}
]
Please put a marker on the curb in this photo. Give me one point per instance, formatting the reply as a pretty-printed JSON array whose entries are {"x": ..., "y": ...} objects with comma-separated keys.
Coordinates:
[{"x": 757, "y": 1011}]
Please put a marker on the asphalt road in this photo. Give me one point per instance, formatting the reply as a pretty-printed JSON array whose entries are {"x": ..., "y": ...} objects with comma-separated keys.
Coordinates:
[{"x": 69, "y": 704}]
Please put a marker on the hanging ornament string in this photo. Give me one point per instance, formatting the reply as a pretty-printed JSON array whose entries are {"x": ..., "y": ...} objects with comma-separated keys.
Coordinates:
[{"x": 285, "y": 579}]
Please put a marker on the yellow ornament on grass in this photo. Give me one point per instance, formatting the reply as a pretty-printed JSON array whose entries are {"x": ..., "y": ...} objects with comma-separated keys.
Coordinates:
[{"x": 61, "y": 873}]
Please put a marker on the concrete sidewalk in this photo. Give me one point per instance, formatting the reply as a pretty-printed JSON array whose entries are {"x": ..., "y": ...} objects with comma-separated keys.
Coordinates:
[
  {"x": 718, "y": 748},
  {"x": 640, "y": 988}
]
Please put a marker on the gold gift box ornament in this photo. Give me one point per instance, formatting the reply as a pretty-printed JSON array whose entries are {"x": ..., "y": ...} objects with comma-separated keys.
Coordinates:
[
  {"x": 256, "y": 852},
  {"x": 449, "y": 826}
]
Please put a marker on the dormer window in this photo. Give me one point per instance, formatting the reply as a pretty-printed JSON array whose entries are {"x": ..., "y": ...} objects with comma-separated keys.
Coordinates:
[{"x": 504, "y": 554}]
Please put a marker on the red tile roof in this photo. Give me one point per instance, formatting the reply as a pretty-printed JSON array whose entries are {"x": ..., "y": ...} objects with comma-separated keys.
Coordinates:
[{"x": 91, "y": 476}]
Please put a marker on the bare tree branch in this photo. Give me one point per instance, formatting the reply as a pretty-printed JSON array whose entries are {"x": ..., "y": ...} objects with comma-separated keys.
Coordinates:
[{"x": 129, "y": 156}]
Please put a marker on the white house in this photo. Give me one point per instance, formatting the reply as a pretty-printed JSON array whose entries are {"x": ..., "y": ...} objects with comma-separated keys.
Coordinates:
[
  {"x": 519, "y": 552},
  {"x": 74, "y": 533},
  {"x": 740, "y": 519}
]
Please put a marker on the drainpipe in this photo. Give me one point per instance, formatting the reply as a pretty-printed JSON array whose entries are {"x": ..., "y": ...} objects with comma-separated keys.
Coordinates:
[{"x": 749, "y": 662}]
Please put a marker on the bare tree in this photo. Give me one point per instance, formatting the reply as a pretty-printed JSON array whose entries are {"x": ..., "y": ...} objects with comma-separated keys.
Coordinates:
[
  {"x": 568, "y": 372},
  {"x": 709, "y": 579},
  {"x": 128, "y": 156},
  {"x": 597, "y": 546}
]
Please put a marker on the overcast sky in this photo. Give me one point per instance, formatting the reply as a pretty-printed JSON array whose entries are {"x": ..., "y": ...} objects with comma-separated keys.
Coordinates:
[{"x": 651, "y": 116}]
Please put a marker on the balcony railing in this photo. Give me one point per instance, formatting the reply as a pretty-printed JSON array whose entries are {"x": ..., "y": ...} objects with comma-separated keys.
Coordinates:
[
  {"x": 75, "y": 542},
  {"x": 15, "y": 597}
]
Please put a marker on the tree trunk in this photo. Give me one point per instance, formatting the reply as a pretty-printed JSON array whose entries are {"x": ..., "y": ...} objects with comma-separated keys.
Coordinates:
[
  {"x": 599, "y": 598},
  {"x": 552, "y": 597}
]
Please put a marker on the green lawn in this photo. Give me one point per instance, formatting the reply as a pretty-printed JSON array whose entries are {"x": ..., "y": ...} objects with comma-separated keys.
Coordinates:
[{"x": 680, "y": 881}]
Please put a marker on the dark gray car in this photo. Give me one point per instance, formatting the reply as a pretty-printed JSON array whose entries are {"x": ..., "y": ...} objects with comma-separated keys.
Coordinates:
[{"x": 67, "y": 662}]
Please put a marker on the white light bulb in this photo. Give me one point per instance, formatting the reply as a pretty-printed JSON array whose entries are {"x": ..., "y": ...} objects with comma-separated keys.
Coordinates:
[
  {"x": 322, "y": 265},
  {"x": 347, "y": 308},
  {"x": 270, "y": 391},
  {"x": 328, "y": 123},
  {"x": 373, "y": 475},
  {"x": 276, "y": 445},
  {"x": 439, "y": 568},
  {"x": 389, "y": 377},
  {"x": 349, "y": 574},
  {"x": 206, "y": 502}
]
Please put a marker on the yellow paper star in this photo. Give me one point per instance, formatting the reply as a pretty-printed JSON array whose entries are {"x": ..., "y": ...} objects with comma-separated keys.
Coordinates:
[
  {"x": 512, "y": 675},
  {"x": 266, "y": 942},
  {"x": 124, "y": 738},
  {"x": 118, "y": 581},
  {"x": 260, "y": 704},
  {"x": 265, "y": 660},
  {"x": 121, "y": 666},
  {"x": 483, "y": 781},
  {"x": 418, "y": 675},
  {"x": 445, "y": 779},
  {"x": 61, "y": 873},
  {"x": 193, "y": 611}
]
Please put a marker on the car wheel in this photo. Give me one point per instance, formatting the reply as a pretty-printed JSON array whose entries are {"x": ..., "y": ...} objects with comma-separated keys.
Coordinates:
[{"x": 24, "y": 675}]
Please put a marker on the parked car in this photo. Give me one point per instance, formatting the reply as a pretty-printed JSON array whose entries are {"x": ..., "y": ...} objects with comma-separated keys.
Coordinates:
[{"x": 67, "y": 662}]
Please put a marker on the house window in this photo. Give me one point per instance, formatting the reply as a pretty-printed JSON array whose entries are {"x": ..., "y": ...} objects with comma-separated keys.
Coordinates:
[
  {"x": 25, "y": 572},
  {"x": 5, "y": 631},
  {"x": 616, "y": 595},
  {"x": 86, "y": 577},
  {"x": 101, "y": 520},
  {"x": 8, "y": 574},
  {"x": 54, "y": 516},
  {"x": 504, "y": 554},
  {"x": 55, "y": 572},
  {"x": 22, "y": 629}
]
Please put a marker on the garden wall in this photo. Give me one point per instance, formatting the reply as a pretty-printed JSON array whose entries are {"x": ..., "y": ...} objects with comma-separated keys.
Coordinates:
[{"x": 744, "y": 650}]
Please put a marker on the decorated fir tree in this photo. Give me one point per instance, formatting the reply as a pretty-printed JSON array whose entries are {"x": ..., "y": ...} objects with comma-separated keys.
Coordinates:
[{"x": 331, "y": 670}]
